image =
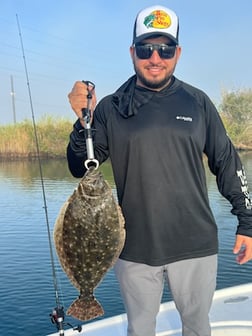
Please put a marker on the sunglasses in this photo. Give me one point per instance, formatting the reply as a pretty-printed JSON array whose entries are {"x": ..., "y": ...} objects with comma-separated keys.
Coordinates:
[{"x": 145, "y": 51}]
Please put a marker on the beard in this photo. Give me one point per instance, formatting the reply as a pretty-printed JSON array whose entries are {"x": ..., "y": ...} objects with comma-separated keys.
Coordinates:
[{"x": 153, "y": 84}]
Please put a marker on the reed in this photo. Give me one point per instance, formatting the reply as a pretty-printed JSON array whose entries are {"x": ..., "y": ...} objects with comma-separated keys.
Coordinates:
[{"x": 18, "y": 140}]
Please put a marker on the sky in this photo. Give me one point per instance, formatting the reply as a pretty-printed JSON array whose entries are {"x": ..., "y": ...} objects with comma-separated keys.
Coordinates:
[{"x": 65, "y": 41}]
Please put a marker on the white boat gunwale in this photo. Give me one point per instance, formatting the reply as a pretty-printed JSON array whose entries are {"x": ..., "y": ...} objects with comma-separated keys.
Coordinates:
[{"x": 231, "y": 314}]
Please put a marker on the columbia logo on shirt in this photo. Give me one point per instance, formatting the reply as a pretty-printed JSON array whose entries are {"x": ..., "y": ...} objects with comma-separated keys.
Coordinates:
[{"x": 184, "y": 118}]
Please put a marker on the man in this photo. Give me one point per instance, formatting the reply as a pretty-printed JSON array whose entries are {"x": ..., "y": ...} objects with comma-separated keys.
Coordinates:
[{"x": 155, "y": 129}]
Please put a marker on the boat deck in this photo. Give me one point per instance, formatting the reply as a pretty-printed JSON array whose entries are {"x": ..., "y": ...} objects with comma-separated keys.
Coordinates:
[{"x": 230, "y": 315}]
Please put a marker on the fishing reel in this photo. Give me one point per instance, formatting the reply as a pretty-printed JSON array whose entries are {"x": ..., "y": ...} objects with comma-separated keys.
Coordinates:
[{"x": 58, "y": 316}]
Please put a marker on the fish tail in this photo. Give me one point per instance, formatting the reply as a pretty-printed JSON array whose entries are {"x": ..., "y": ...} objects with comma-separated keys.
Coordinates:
[{"x": 85, "y": 309}]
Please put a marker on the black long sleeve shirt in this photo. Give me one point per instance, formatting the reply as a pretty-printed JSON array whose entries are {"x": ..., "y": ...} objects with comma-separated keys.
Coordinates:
[{"x": 156, "y": 142}]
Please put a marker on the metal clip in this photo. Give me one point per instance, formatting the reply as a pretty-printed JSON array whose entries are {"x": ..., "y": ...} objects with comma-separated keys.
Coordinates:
[{"x": 86, "y": 114}]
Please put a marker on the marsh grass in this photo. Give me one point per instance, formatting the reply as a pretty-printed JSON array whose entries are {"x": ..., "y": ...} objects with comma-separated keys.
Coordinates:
[{"x": 18, "y": 140}]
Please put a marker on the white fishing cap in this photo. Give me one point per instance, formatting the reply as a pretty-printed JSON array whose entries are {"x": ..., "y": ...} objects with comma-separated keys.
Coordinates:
[{"x": 155, "y": 21}]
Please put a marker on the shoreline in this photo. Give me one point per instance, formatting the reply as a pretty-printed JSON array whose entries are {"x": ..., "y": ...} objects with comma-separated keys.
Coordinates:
[{"x": 31, "y": 156}]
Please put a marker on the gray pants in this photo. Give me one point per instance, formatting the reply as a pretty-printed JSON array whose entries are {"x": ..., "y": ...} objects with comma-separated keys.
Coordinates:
[{"x": 192, "y": 283}]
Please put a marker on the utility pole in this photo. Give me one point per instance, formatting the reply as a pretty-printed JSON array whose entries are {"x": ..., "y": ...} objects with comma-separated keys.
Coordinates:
[{"x": 13, "y": 100}]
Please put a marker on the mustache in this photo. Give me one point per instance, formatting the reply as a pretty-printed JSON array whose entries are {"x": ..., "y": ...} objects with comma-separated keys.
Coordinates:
[{"x": 155, "y": 65}]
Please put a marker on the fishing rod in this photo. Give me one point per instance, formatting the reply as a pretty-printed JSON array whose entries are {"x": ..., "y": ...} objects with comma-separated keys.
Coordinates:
[{"x": 57, "y": 315}]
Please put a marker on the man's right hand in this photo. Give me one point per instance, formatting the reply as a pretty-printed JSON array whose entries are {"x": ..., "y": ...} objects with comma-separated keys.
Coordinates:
[{"x": 78, "y": 99}]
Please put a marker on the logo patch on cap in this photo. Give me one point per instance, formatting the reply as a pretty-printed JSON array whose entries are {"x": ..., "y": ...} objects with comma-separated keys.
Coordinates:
[{"x": 158, "y": 19}]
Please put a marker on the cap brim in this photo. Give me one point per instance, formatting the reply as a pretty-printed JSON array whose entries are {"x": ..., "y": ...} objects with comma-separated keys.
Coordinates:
[{"x": 150, "y": 35}]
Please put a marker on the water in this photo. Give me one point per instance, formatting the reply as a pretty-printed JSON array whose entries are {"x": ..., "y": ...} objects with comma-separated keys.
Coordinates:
[{"x": 27, "y": 294}]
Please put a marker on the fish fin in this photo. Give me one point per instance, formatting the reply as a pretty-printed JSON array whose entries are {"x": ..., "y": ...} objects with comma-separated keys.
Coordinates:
[{"x": 85, "y": 309}]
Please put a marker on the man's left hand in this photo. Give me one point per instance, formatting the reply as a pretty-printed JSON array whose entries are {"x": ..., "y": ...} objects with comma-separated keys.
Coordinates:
[{"x": 243, "y": 249}]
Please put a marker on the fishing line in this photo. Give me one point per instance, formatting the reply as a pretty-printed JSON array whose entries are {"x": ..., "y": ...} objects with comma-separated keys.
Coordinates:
[{"x": 58, "y": 313}]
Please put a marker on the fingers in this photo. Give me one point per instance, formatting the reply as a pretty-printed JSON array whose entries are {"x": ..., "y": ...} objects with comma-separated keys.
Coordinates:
[
  {"x": 78, "y": 98},
  {"x": 243, "y": 249},
  {"x": 238, "y": 244}
]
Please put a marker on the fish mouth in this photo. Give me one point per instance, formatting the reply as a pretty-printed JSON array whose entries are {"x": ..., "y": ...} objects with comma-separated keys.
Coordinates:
[{"x": 92, "y": 184}]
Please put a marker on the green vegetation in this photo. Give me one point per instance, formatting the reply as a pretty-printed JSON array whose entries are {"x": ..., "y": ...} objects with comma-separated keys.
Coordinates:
[
  {"x": 18, "y": 141},
  {"x": 236, "y": 113}
]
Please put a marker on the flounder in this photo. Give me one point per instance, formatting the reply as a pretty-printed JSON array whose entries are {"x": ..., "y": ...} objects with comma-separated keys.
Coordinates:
[{"x": 89, "y": 236}]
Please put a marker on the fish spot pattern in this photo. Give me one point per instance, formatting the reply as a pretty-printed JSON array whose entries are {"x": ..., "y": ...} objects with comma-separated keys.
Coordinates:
[{"x": 89, "y": 236}]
